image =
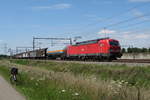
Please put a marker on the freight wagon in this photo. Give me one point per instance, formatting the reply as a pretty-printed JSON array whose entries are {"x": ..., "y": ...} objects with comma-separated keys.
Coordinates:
[
  {"x": 37, "y": 54},
  {"x": 57, "y": 54}
]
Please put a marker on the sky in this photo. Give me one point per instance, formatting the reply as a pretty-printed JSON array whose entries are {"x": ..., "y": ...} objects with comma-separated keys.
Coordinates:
[{"x": 21, "y": 20}]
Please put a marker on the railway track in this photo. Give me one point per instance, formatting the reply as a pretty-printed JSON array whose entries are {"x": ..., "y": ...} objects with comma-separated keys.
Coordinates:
[
  {"x": 116, "y": 61},
  {"x": 127, "y": 62},
  {"x": 121, "y": 61},
  {"x": 132, "y": 60}
]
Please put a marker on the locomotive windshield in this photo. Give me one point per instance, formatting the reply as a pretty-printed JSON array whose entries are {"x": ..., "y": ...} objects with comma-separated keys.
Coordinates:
[{"x": 114, "y": 43}]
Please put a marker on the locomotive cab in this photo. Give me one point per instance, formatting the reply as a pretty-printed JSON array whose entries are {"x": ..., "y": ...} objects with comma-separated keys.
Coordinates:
[{"x": 114, "y": 49}]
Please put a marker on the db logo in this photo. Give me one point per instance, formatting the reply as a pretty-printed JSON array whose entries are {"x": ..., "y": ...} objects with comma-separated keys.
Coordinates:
[
  {"x": 82, "y": 49},
  {"x": 101, "y": 45}
]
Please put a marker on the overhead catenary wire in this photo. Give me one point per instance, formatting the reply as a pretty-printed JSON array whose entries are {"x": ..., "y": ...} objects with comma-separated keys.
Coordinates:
[
  {"x": 112, "y": 17},
  {"x": 127, "y": 20},
  {"x": 133, "y": 24},
  {"x": 145, "y": 30},
  {"x": 115, "y": 16},
  {"x": 119, "y": 14}
]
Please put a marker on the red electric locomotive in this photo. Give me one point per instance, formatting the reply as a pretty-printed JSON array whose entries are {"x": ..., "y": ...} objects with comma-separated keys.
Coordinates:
[{"x": 100, "y": 49}]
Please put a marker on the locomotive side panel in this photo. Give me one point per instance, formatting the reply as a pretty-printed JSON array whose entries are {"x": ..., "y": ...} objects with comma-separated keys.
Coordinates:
[
  {"x": 89, "y": 49},
  {"x": 101, "y": 49},
  {"x": 103, "y": 46}
]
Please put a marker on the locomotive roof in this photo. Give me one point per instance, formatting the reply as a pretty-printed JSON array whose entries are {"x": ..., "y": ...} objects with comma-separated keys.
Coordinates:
[{"x": 90, "y": 41}]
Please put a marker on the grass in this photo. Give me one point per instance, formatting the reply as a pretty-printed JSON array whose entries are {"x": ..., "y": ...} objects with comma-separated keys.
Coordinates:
[
  {"x": 133, "y": 75},
  {"x": 39, "y": 88},
  {"x": 70, "y": 81}
]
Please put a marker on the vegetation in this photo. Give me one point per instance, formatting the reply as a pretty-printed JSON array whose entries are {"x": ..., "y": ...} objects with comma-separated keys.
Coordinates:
[
  {"x": 133, "y": 75},
  {"x": 73, "y": 81},
  {"x": 42, "y": 88},
  {"x": 3, "y": 56},
  {"x": 136, "y": 50}
]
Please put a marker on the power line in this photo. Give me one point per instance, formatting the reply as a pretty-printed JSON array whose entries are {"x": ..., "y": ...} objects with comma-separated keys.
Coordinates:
[
  {"x": 118, "y": 15},
  {"x": 136, "y": 31},
  {"x": 127, "y": 20},
  {"x": 133, "y": 24},
  {"x": 65, "y": 39}
]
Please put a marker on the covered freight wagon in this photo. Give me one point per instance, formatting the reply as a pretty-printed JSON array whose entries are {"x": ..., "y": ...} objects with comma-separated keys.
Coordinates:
[{"x": 38, "y": 53}]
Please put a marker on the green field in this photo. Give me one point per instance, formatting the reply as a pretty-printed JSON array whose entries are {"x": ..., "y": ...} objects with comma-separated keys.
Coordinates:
[{"x": 47, "y": 80}]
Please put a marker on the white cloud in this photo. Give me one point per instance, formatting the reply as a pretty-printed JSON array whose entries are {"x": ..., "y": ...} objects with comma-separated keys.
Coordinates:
[
  {"x": 138, "y": 39},
  {"x": 135, "y": 36},
  {"x": 98, "y": 2},
  {"x": 137, "y": 12},
  {"x": 93, "y": 17},
  {"x": 1, "y": 40},
  {"x": 140, "y": 14},
  {"x": 139, "y": 0},
  {"x": 54, "y": 7},
  {"x": 142, "y": 36},
  {"x": 106, "y": 31},
  {"x": 131, "y": 38},
  {"x": 126, "y": 35}
]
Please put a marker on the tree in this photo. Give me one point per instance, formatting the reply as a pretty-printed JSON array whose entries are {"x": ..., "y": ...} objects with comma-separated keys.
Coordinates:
[
  {"x": 123, "y": 50},
  {"x": 129, "y": 50},
  {"x": 149, "y": 50},
  {"x": 137, "y": 50},
  {"x": 144, "y": 50}
]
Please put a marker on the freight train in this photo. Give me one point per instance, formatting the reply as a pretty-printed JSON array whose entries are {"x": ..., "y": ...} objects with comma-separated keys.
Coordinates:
[{"x": 98, "y": 49}]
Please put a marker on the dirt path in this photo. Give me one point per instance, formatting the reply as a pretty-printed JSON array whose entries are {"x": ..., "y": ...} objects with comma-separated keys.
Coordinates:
[{"x": 7, "y": 92}]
